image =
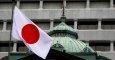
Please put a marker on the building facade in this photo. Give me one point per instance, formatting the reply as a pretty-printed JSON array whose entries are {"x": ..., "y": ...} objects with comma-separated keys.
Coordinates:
[{"x": 93, "y": 20}]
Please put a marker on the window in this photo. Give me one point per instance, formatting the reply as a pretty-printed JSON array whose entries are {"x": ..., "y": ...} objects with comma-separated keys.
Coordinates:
[
  {"x": 29, "y": 5},
  {"x": 56, "y": 23},
  {"x": 1, "y": 25},
  {"x": 52, "y": 5},
  {"x": 4, "y": 46},
  {"x": 114, "y": 3},
  {"x": 43, "y": 24},
  {"x": 5, "y": 5},
  {"x": 108, "y": 24},
  {"x": 8, "y": 27},
  {"x": 75, "y": 4},
  {"x": 69, "y": 23},
  {"x": 87, "y": 25},
  {"x": 84, "y": 41},
  {"x": 100, "y": 4},
  {"x": 100, "y": 45},
  {"x": 21, "y": 47}
]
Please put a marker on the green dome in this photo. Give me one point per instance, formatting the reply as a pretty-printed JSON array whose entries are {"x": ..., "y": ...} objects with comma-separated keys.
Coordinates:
[
  {"x": 63, "y": 28},
  {"x": 71, "y": 44},
  {"x": 65, "y": 39}
]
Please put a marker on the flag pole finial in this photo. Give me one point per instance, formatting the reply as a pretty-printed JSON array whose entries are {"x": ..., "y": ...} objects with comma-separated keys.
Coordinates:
[
  {"x": 63, "y": 18},
  {"x": 63, "y": 14}
]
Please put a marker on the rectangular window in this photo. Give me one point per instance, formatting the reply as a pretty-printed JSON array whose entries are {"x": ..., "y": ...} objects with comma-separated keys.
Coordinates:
[
  {"x": 52, "y": 5},
  {"x": 56, "y": 23},
  {"x": 87, "y": 25},
  {"x": 114, "y": 3},
  {"x": 75, "y": 4},
  {"x": 100, "y": 46},
  {"x": 1, "y": 25},
  {"x": 108, "y": 24},
  {"x": 8, "y": 27},
  {"x": 4, "y": 46},
  {"x": 43, "y": 25},
  {"x": 29, "y": 5},
  {"x": 100, "y": 3},
  {"x": 5, "y": 5},
  {"x": 21, "y": 47},
  {"x": 69, "y": 23}
]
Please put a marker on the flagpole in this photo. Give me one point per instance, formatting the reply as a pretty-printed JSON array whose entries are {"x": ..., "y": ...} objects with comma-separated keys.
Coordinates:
[
  {"x": 13, "y": 5},
  {"x": 63, "y": 14}
]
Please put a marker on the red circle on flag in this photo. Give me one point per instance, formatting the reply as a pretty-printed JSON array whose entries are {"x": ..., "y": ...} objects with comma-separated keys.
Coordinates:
[{"x": 30, "y": 33}]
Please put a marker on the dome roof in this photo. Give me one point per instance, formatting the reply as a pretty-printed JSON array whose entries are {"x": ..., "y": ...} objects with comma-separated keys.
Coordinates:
[
  {"x": 63, "y": 26},
  {"x": 65, "y": 36},
  {"x": 72, "y": 45}
]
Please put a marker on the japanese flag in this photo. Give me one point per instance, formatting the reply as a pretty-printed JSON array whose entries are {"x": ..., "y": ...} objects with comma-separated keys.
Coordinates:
[{"x": 34, "y": 38}]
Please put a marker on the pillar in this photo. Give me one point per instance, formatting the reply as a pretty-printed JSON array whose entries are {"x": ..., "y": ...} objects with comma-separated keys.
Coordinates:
[
  {"x": 111, "y": 46},
  {"x": 4, "y": 25},
  {"x": 111, "y": 4},
  {"x": 64, "y": 3},
  {"x": 87, "y": 3},
  {"x": 15, "y": 47},
  {"x": 18, "y": 3},
  {"x": 51, "y": 23},
  {"x": 41, "y": 4},
  {"x": 87, "y": 42},
  {"x": 75, "y": 24},
  {"x": 99, "y": 24}
]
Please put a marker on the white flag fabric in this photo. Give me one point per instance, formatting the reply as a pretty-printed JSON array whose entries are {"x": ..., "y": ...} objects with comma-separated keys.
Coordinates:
[{"x": 34, "y": 38}]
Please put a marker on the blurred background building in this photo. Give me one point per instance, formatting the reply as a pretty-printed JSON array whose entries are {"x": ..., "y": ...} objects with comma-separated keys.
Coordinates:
[{"x": 93, "y": 20}]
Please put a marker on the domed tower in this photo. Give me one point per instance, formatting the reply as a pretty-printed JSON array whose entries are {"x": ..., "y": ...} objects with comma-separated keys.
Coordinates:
[{"x": 66, "y": 39}]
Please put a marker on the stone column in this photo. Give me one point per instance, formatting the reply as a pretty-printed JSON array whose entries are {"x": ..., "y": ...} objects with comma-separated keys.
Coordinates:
[
  {"x": 111, "y": 46},
  {"x": 88, "y": 4},
  {"x": 111, "y": 4},
  {"x": 41, "y": 4},
  {"x": 15, "y": 47},
  {"x": 64, "y": 3},
  {"x": 18, "y": 3},
  {"x": 51, "y": 23},
  {"x": 87, "y": 42},
  {"x": 75, "y": 24},
  {"x": 4, "y": 25},
  {"x": 99, "y": 24}
]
